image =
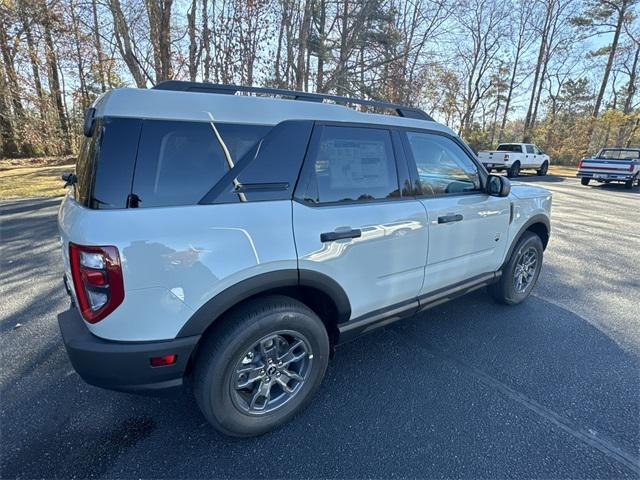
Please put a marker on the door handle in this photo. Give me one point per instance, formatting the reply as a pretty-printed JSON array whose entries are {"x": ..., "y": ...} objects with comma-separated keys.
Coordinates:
[
  {"x": 332, "y": 236},
  {"x": 450, "y": 218}
]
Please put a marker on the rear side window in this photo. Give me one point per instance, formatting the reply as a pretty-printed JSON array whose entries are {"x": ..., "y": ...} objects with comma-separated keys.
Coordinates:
[
  {"x": 351, "y": 164},
  {"x": 508, "y": 147},
  {"x": 620, "y": 154},
  {"x": 179, "y": 162}
]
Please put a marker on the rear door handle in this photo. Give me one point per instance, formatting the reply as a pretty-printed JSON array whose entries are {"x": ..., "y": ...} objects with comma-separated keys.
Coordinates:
[
  {"x": 332, "y": 236},
  {"x": 450, "y": 218}
]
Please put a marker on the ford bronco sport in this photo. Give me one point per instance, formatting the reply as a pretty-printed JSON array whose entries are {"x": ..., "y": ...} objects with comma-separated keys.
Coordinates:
[{"x": 230, "y": 241}]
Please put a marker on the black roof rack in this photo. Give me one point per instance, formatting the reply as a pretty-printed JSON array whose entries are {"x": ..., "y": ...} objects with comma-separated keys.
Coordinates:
[{"x": 181, "y": 86}]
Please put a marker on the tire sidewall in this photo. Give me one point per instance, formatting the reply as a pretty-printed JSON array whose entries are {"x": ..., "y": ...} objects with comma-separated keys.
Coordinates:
[
  {"x": 514, "y": 171},
  {"x": 527, "y": 241},
  {"x": 215, "y": 398},
  {"x": 543, "y": 168}
]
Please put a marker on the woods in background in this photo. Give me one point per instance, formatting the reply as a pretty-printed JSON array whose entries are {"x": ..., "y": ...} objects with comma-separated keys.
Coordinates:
[{"x": 560, "y": 73}]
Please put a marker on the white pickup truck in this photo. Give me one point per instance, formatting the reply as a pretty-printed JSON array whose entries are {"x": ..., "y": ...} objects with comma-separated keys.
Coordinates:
[
  {"x": 612, "y": 165},
  {"x": 513, "y": 157}
]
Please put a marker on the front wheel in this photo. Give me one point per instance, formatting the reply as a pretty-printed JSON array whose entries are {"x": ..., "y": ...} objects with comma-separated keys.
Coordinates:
[
  {"x": 261, "y": 366},
  {"x": 585, "y": 181},
  {"x": 544, "y": 168},
  {"x": 521, "y": 272}
]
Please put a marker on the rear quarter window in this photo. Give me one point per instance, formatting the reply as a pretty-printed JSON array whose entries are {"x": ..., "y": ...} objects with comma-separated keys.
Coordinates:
[
  {"x": 179, "y": 162},
  {"x": 86, "y": 165}
]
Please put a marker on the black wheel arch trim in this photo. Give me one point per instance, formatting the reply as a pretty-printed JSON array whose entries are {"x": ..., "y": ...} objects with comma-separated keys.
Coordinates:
[
  {"x": 215, "y": 307},
  {"x": 536, "y": 219}
]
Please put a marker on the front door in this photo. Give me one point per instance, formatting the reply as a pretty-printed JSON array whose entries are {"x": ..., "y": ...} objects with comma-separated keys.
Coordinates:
[
  {"x": 467, "y": 228},
  {"x": 352, "y": 222}
]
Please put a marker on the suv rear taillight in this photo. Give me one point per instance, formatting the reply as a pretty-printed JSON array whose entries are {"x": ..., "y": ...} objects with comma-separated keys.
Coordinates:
[
  {"x": 579, "y": 164},
  {"x": 97, "y": 279}
]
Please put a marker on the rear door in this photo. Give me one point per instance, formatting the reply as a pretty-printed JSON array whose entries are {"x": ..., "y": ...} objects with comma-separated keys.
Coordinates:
[
  {"x": 467, "y": 227},
  {"x": 531, "y": 159},
  {"x": 352, "y": 220}
]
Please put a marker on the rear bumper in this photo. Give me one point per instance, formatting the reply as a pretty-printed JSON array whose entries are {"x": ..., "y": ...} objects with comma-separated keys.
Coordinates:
[
  {"x": 619, "y": 177},
  {"x": 123, "y": 366}
]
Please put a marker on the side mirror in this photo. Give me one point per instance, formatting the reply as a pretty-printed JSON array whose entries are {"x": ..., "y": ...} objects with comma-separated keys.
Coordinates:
[
  {"x": 69, "y": 179},
  {"x": 498, "y": 186}
]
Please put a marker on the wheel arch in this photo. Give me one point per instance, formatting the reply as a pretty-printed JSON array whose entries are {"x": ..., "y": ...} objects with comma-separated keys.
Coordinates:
[
  {"x": 538, "y": 224},
  {"x": 316, "y": 290}
]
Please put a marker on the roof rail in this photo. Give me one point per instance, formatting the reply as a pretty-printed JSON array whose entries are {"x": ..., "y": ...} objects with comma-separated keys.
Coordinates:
[{"x": 181, "y": 86}]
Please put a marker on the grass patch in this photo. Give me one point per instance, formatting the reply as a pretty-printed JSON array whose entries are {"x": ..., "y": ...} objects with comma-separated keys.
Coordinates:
[{"x": 33, "y": 177}]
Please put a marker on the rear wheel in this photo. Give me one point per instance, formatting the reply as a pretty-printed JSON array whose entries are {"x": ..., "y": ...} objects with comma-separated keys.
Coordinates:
[
  {"x": 629, "y": 184},
  {"x": 261, "y": 366},
  {"x": 521, "y": 272},
  {"x": 585, "y": 181},
  {"x": 514, "y": 171},
  {"x": 544, "y": 168}
]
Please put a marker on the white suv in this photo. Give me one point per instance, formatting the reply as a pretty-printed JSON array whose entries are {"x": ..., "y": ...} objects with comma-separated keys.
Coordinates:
[{"x": 234, "y": 240}]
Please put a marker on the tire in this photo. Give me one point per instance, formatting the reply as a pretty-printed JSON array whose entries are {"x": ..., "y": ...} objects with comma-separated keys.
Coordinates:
[
  {"x": 585, "y": 181},
  {"x": 544, "y": 168},
  {"x": 505, "y": 291},
  {"x": 228, "y": 351},
  {"x": 514, "y": 171},
  {"x": 629, "y": 184}
]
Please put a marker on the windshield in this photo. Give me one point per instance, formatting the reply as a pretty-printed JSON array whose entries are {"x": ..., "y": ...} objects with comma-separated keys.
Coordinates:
[
  {"x": 616, "y": 154},
  {"x": 510, "y": 147}
]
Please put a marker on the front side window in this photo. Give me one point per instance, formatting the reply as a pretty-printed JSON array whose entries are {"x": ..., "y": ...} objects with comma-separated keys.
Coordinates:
[
  {"x": 443, "y": 167},
  {"x": 352, "y": 164},
  {"x": 529, "y": 148},
  {"x": 179, "y": 162}
]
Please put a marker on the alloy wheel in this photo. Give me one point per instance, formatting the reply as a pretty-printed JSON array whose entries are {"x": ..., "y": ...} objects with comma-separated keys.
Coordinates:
[
  {"x": 271, "y": 373},
  {"x": 525, "y": 270}
]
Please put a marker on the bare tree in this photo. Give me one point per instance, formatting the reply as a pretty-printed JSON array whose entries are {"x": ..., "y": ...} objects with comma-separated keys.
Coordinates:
[
  {"x": 125, "y": 45},
  {"x": 482, "y": 24}
]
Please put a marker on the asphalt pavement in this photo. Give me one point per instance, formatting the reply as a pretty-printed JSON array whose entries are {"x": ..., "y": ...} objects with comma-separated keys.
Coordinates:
[{"x": 549, "y": 388}]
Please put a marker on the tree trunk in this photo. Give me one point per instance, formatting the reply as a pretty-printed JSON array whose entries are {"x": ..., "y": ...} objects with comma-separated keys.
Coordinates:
[
  {"x": 340, "y": 74},
  {"x": 206, "y": 41},
  {"x": 54, "y": 77},
  {"x": 612, "y": 54},
  {"x": 79, "y": 60},
  {"x": 321, "y": 46},
  {"x": 193, "y": 47},
  {"x": 302, "y": 45},
  {"x": 8, "y": 145},
  {"x": 159, "y": 14},
  {"x": 631, "y": 88},
  {"x": 98, "y": 46},
  {"x": 33, "y": 58},
  {"x": 165, "y": 39},
  {"x": 541, "y": 53},
  {"x": 507, "y": 102},
  {"x": 277, "y": 75},
  {"x": 11, "y": 75},
  {"x": 123, "y": 42}
]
